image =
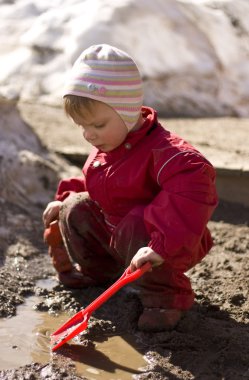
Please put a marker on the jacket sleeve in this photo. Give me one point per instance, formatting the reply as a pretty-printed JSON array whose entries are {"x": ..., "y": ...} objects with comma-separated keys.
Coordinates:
[
  {"x": 178, "y": 215},
  {"x": 74, "y": 184},
  {"x": 69, "y": 186}
]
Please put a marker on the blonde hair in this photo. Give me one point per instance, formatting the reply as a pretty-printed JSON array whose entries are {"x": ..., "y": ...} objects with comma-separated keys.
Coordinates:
[{"x": 74, "y": 105}]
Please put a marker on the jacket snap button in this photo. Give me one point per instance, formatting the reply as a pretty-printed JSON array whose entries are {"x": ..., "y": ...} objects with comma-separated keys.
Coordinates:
[
  {"x": 96, "y": 164},
  {"x": 127, "y": 146}
]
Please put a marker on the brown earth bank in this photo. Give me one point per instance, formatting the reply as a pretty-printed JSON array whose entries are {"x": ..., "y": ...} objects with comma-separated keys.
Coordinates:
[{"x": 211, "y": 341}]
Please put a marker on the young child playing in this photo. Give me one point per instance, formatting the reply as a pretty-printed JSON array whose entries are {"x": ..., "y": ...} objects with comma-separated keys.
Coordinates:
[{"x": 145, "y": 194}]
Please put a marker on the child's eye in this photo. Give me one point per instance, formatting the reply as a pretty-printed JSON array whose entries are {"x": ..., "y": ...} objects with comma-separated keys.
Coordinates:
[{"x": 99, "y": 126}]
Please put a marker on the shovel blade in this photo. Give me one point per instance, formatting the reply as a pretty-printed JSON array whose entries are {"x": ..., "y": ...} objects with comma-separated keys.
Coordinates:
[{"x": 63, "y": 336}]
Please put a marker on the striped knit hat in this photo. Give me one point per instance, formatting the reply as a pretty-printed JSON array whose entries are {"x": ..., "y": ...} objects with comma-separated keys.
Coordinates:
[{"x": 107, "y": 74}]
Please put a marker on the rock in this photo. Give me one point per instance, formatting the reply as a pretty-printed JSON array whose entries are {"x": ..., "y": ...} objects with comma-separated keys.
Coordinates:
[
  {"x": 192, "y": 54},
  {"x": 29, "y": 172}
]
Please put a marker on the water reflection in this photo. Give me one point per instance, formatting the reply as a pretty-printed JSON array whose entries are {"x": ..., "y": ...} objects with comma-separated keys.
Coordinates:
[{"x": 25, "y": 338}]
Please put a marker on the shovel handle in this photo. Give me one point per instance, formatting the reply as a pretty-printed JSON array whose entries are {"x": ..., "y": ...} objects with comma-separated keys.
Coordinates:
[{"x": 126, "y": 278}]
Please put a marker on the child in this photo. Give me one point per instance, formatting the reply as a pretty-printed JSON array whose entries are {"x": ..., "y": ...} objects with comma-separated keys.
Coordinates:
[{"x": 145, "y": 194}]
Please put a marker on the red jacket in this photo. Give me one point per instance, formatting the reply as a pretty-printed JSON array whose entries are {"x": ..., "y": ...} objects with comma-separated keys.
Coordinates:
[{"x": 157, "y": 169}]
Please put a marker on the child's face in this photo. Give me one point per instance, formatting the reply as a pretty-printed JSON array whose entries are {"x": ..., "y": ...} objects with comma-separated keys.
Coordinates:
[{"x": 102, "y": 126}]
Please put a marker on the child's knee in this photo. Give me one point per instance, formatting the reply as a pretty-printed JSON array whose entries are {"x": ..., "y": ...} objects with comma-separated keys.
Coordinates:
[{"x": 73, "y": 208}]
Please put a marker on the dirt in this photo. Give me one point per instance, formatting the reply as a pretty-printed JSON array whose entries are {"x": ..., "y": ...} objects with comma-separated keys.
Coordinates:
[{"x": 211, "y": 341}]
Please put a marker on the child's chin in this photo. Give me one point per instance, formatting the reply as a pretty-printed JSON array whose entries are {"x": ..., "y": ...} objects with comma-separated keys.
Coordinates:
[{"x": 105, "y": 149}]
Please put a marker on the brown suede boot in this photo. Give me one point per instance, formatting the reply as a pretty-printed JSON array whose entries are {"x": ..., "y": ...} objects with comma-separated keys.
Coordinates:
[
  {"x": 156, "y": 319},
  {"x": 68, "y": 274}
]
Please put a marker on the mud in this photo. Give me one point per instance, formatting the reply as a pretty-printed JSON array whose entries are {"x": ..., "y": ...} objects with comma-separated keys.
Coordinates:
[
  {"x": 25, "y": 338},
  {"x": 210, "y": 343}
]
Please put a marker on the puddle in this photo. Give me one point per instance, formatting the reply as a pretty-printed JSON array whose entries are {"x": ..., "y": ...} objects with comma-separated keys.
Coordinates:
[{"x": 25, "y": 338}]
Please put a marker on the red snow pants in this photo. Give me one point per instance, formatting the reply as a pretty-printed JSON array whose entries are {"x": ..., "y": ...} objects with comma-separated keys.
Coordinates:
[{"x": 103, "y": 254}]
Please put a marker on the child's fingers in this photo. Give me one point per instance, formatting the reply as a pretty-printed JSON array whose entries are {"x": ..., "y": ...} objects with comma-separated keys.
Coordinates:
[{"x": 138, "y": 263}]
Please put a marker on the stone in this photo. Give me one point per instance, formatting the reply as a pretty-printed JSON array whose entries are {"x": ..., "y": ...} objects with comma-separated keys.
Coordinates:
[{"x": 29, "y": 173}]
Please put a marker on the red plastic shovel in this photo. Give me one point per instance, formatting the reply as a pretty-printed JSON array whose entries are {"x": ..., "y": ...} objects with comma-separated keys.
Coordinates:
[{"x": 79, "y": 321}]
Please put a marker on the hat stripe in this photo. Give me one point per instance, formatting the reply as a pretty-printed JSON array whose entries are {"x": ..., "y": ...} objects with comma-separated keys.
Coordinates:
[
  {"x": 114, "y": 100},
  {"x": 106, "y": 74},
  {"x": 116, "y": 95},
  {"x": 106, "y": 69},
  {"x": 111, "y": 82},
  {"x": 108, "y": 89},
  {"x": 95, "y": 62}
]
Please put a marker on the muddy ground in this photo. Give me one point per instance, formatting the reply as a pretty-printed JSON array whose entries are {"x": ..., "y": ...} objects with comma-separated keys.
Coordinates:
[{"x": 210, "y": 343}]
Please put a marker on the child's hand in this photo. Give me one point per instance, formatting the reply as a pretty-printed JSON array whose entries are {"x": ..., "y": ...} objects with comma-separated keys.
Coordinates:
[
  {"x": 51, "y": 212},
  {"x": 143, "y": 255}
]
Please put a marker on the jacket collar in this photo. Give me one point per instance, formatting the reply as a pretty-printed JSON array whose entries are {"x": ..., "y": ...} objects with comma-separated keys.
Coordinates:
[
  {"x": 150, "y": 116},
  {"x": 132, "y": 139}
]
